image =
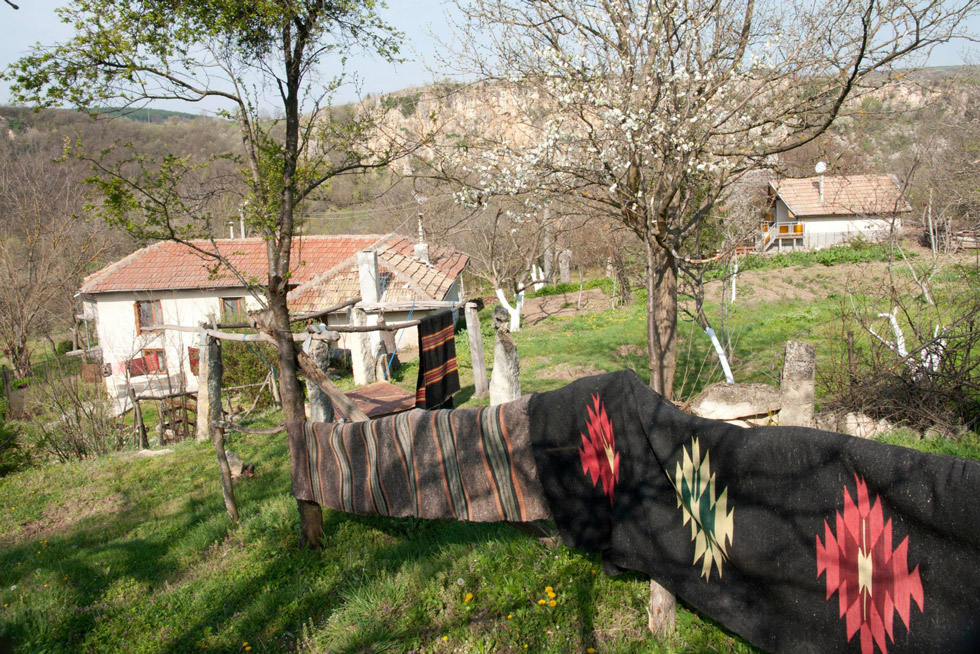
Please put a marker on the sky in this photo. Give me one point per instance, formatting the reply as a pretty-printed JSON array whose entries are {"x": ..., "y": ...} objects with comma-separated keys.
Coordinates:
[
  {"x": 422, "y": 22},
  {"x": 36, "y": 21}
]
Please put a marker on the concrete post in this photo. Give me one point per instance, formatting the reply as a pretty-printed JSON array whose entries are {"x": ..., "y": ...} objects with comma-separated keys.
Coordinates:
[
  {"x": 475, "y": 337},
  {"x": 321, "y": 408},
  {"x": 505, "y": 384},
  {"x": 208, "y": 387},
  {"x": 797, "y": 385}
]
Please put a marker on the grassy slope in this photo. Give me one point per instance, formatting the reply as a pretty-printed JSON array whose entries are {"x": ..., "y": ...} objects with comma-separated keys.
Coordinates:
[{"x": 116, "y": 554}]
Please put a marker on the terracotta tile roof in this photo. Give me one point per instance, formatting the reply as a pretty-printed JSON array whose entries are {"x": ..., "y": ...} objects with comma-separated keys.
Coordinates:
[
  {"x": 846, "y": 195},
  {"x": 403, "y": 277},
  {"x": 168, "y": 265}
]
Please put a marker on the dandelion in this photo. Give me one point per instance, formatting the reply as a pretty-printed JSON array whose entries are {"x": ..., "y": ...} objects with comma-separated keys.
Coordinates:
[
  {"x": 590, "y": 650},
  {"x": 552, "y": 595},
  {"x": 549, "y": 589},
  {"x": 460, "y": 581},
  {"x": 552, "y": 603},
  {"x": 510, "y": 615},
  {"x": 445, "y": 638},
  {"x": 468, "y": 597},
  {"x": 541, "y": 601}
]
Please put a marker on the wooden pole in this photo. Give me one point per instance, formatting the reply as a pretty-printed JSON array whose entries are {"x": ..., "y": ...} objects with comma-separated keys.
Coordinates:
[
  {"x": 215, "y": 370},
  {"x": 141, "y": 440},
  {"x": 340, "y": 401},
  {"x": 218, "y": 436},
  {"x": 475, "y": 336}
]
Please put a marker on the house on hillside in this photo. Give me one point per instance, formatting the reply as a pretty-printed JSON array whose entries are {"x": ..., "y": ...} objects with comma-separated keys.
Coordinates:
[
  {"x": 171, "y": 283},
  {"x": 817, "y": 212}
]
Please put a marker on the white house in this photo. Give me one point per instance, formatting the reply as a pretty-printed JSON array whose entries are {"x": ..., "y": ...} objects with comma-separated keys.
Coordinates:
[
  {"x": 817, "y": 212},
  {"x": 170, "y": 283}
]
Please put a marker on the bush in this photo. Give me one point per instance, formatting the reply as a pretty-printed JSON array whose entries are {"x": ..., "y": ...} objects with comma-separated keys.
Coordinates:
[
  {"x": 12, "y": 456},
  {"x": 72, "y": 420},
  {"x": 63, "y": 347},
  {"x": 248, "y": 363}
]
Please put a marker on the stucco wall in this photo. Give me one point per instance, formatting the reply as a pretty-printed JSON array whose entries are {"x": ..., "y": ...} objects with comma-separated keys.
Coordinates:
[{"x": 120, "y": 342}]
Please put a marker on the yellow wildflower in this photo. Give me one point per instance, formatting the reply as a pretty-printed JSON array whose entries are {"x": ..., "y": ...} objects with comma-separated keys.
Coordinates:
[
  {"x": 510, "y": 615},
  {"x": 549, "y": 589},
  {"x": 468, "y": 597},
  {"x": 445, "y": 638},
  {"x": 590, "y": 650},
  {"x": 552, "y": 603},
  {"x": 540, "y": 601},
  {"x": 552, "y": 595}
]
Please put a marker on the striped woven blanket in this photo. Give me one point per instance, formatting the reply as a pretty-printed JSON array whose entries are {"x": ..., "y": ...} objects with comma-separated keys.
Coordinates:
[
  {"x": 467, "y": 464},
  {"x": 438, "y": 376}
]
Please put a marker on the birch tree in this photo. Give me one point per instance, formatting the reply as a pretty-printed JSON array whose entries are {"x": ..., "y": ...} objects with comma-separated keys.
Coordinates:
[
  {"x": 649, "y": 111},
  {"x": 256, "y": 59}
]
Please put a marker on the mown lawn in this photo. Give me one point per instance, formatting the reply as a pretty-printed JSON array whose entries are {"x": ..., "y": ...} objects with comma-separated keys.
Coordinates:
[{"x": 122, "y": 554}]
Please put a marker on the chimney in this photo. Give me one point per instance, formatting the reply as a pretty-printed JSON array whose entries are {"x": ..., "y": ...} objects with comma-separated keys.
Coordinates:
[
  {"x": 231, "y": 228},
  {"x": 422, "y": 248},
  {"x": 820, "y": 169}
]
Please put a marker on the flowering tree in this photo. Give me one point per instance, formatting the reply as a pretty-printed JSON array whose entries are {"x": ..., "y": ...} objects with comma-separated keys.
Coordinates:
[{"x": 649, "y": 111}]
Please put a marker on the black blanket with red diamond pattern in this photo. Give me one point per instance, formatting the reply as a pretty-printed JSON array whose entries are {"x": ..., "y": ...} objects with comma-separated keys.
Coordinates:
[{"x": 797, "y": 539}]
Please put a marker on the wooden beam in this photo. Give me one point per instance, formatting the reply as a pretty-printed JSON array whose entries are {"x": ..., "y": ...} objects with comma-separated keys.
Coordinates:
[
  {"x": 408, "y": 306},
  {"x": 340, "y": 401},
  {"x": 251, "y": 338},
  {"x": 300, "y": 317},
  {"x": 387, "y": 327}
]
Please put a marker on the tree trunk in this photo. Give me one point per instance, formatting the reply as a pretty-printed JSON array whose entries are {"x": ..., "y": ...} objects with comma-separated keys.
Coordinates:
[
  {"x": 661, "y": 318},
  {"x": 293, "y": 409}
]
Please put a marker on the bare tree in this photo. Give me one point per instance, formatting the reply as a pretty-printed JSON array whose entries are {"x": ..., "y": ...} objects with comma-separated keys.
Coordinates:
[
  {"x": 647, "y": 112},
  {"x": 45, "y": 244}
]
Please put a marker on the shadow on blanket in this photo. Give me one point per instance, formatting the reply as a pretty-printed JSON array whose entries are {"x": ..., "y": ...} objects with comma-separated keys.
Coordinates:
[{"x": 797, "y": 539}]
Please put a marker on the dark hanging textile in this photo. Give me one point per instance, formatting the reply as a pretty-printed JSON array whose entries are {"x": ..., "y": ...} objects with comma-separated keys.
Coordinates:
[
  {"x": 797, "y": 539},
  {"x": 438, "y": 378},
  {"x": 468, "y": 464}
]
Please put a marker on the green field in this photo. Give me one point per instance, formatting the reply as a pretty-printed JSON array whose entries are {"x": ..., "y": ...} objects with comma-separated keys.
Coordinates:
[{"x": 122, "y": 554}]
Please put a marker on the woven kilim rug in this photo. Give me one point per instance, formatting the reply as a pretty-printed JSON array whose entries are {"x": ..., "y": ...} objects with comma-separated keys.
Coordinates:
[
  {"x": 438, "y": 375},
  {"x": 799, "y": 540}
]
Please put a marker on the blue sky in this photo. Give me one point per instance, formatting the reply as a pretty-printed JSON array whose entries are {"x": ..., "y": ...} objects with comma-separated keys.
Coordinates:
[{"x": 418, "y": 19}]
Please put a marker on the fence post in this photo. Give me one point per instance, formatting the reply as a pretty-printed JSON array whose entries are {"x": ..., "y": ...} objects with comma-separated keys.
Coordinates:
[
  {"x": 7, "y": 380},
  {"x": 475, "y": 337},
  {"x": 797, "y": 385},
  {"x": 321, "y": 408},
  {"x": 141, "y": 440}
]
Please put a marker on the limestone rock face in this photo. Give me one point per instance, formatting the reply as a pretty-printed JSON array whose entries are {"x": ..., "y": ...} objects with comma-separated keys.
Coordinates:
[{"x": 749, "y": 403}]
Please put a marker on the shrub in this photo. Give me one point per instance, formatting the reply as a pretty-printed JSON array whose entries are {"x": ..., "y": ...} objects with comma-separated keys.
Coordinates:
[
  {"x": 12, "y": 456},
  {"x": 248, "y": 363},
  {"x": 71, "y": 420}
]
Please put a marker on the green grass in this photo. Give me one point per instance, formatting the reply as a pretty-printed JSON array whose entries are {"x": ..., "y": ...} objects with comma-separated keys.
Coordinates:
[
  {"x": 120, "y": 554},
  {"x": 138, "y": 555}
]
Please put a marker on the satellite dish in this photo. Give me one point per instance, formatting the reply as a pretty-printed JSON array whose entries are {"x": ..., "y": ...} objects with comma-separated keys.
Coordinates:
[{"x": 820, "y": 168}]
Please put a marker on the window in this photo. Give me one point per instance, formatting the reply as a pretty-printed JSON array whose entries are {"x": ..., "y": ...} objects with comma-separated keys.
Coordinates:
[
  {"x": 233, "y": 309},
  {"x": 149, "y": 313}
]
